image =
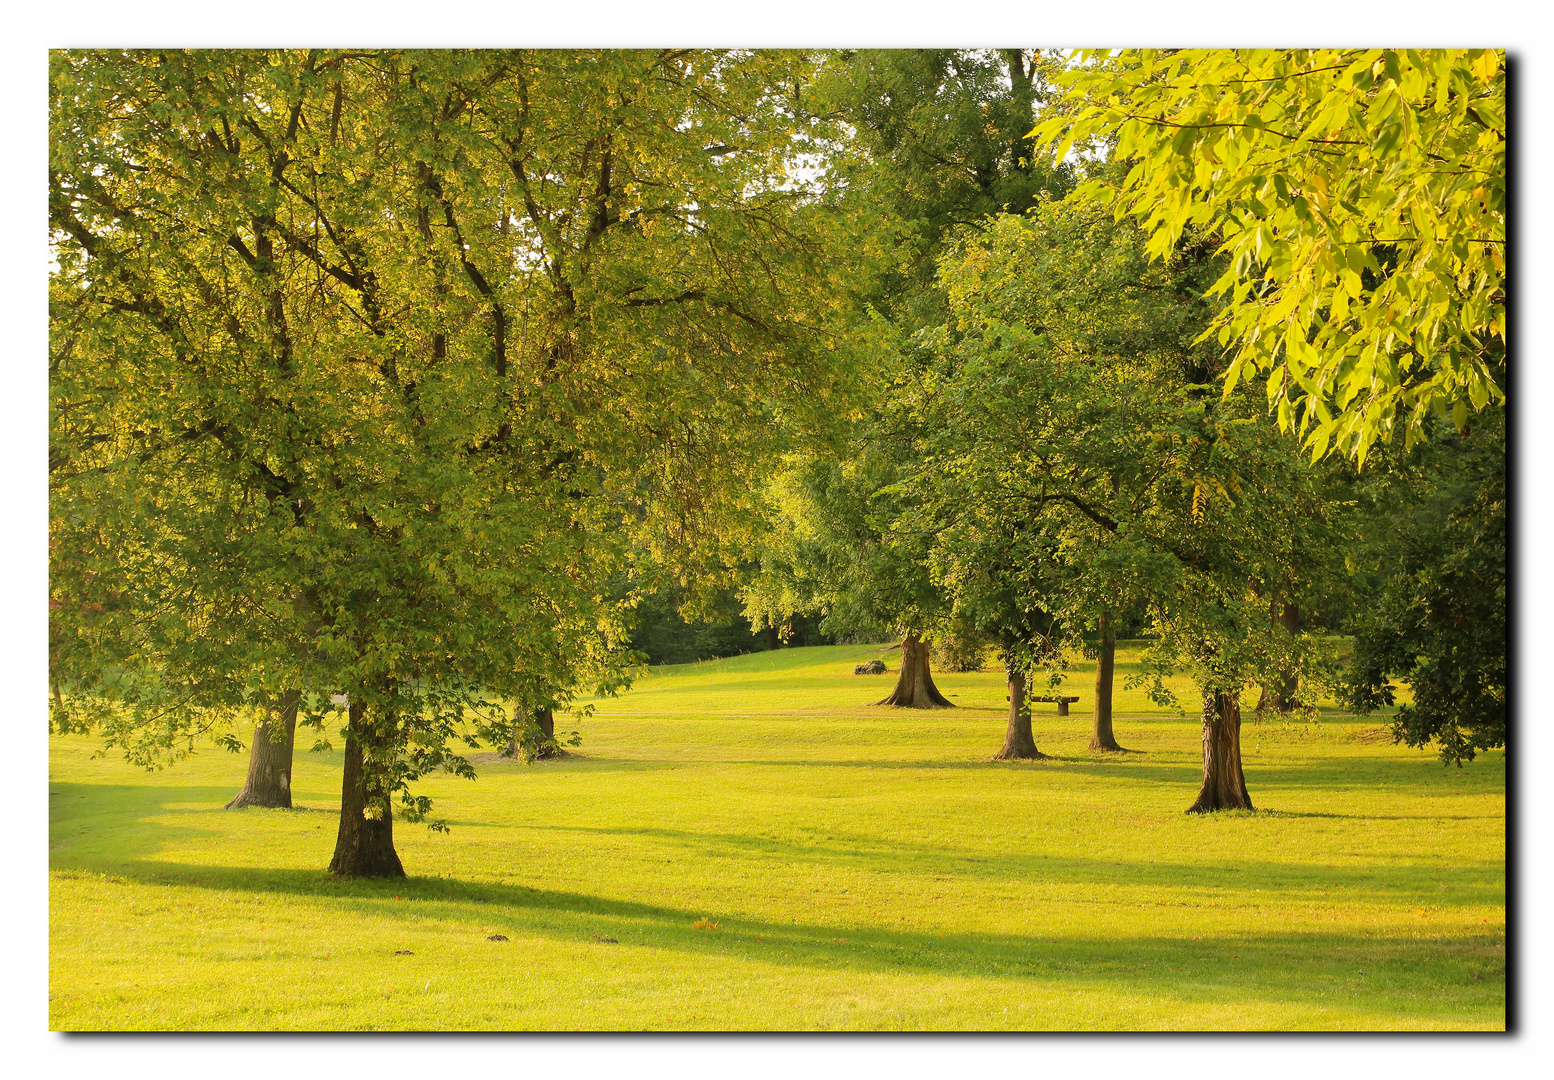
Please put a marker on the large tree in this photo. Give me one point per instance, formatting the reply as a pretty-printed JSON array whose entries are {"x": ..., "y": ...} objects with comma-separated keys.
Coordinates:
[
  {"x": 1070, "y": 443},
  {"x": 1361, "y": 198},
  {"x": 939, "y": 142},
  {"x": 367, "y": 367},
  {"x": 830, "y": 549},
  {"x": 1360, "y": 195}
]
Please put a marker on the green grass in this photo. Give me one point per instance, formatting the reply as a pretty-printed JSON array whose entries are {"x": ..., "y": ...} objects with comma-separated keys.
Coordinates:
[{"x": 865, "y": 869}]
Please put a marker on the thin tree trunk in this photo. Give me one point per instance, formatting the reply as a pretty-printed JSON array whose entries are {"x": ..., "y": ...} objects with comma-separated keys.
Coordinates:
[
  {"x": 1281, "y": 696},
  {"x": 1224, "y": 785},
  {"x": 914, "y": 686},
  {"x": 1105, "y": 666},
  {"x": 1019, "y": 743},
  {"x": 365, "y": 844},
  {"x": 269, "y": 760},
  {"x": 1289, "y": 618}
]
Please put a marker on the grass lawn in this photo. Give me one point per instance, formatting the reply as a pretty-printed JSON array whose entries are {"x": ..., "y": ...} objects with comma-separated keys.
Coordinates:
[{"x": 768, "y": 852}]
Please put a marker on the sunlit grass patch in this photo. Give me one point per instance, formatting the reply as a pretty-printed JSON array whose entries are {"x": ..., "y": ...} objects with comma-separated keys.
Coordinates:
[{"x": 746, "y": 844}]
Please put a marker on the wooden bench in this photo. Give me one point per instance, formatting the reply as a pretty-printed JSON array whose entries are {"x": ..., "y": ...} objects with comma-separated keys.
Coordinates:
[{"x": 1062, "y": 702}]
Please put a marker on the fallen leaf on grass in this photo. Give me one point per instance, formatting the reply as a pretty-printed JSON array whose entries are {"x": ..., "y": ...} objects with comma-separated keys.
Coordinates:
[
  {"x": 705, "y": 924},
  {"x": 497, "y": 937}
]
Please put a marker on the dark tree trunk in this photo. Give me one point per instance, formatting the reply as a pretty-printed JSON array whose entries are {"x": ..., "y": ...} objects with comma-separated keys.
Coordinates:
[
  {"x": 772, "y": 640},
  {"x": 1105, "y": 666},
  {"x": 545, "y": 720},
  {"x": 365, "y": 844},
  {"x": 1289, "y": 618},
  {"x": 1281, "y": 697},
  {"x": 1224, "y": 786},
  {"x": 1019, "y": 743},
  {"x": 269, "y": 761},
  {"x": 914, "y": 687}
]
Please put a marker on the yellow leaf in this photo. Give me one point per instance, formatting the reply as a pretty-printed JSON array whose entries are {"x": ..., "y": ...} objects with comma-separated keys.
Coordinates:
[{"x": 1486, "y": 65}]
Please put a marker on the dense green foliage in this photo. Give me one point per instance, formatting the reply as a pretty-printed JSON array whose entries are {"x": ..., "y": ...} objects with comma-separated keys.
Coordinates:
[
  {"x": 830, "y": 550},
  {"x": 939, "y": 142},
  {"x": 664, "y": 634},
  {"x": 1437, "y": 614},
  {"x": 369, "y": 368},
  {"x": 1073, "y": 464},
  {"x": 1360, "y": 195}
]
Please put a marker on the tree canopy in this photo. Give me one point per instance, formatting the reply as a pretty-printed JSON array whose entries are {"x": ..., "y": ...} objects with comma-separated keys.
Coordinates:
[
  {"x": 938, "y": 142},
  {"x": 1432, "y": 602},
  {"x": 1070, "y": 443},
  {"x": 1360, "y": 195},
  {"x": 369, "y": 367}
]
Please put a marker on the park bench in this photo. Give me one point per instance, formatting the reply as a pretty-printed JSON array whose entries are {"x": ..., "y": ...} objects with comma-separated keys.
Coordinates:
[{"x": 1062, "y": 702}]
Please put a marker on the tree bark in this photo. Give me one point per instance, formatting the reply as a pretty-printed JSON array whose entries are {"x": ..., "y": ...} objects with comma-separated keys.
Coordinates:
[
  {"x": 546, "y": 720},
  {"x": 1101, "y": 738},
  {"x": 1224, "y": 785},
  {"x": 1019, "y": 743},
  {"x": 269, "y": 760},
  {"x": 1289, "y": 618},
  {"x": 1282, "y": 695},
  {"x": 365, "y": 844},
  {"x": 914, "y": 686},
  {"x": 772, "y": 640}
]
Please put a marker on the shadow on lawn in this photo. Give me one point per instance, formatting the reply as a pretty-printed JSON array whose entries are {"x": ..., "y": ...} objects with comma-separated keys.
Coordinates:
[
  {"x": 1449, "y": 981},
  {"x": 935, "y": 868},
  {"x": 1445, "y": 980},
  {"x": 1468, "y": 885}
]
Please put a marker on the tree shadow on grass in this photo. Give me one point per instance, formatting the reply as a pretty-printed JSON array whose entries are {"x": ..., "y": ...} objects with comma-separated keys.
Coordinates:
[
  {"x": 1316, "y": 971},
  {"x": 1469, "y": 885},
  {"x": 1419, "y": 981},
  {"x": 121, "y": 831}
]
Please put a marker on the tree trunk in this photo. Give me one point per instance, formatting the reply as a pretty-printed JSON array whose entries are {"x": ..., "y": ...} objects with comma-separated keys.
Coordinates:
[
  {"x": 1282, "y": 695},
  {"x": 1224, "y": 786},
  {"x": 772, "y": 640},
  {"x": 1289, "y": 618},
  {"x": 914, "y": 687},
  {"x": 365, "y": 844},
  {"x": 1105, "y": 666},
  {"x": 269, "y": 761},
  {"x": 1019, "y": 743},
  {"x": 546, "y": 747},
  {"x": 546, "y": 718}
]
